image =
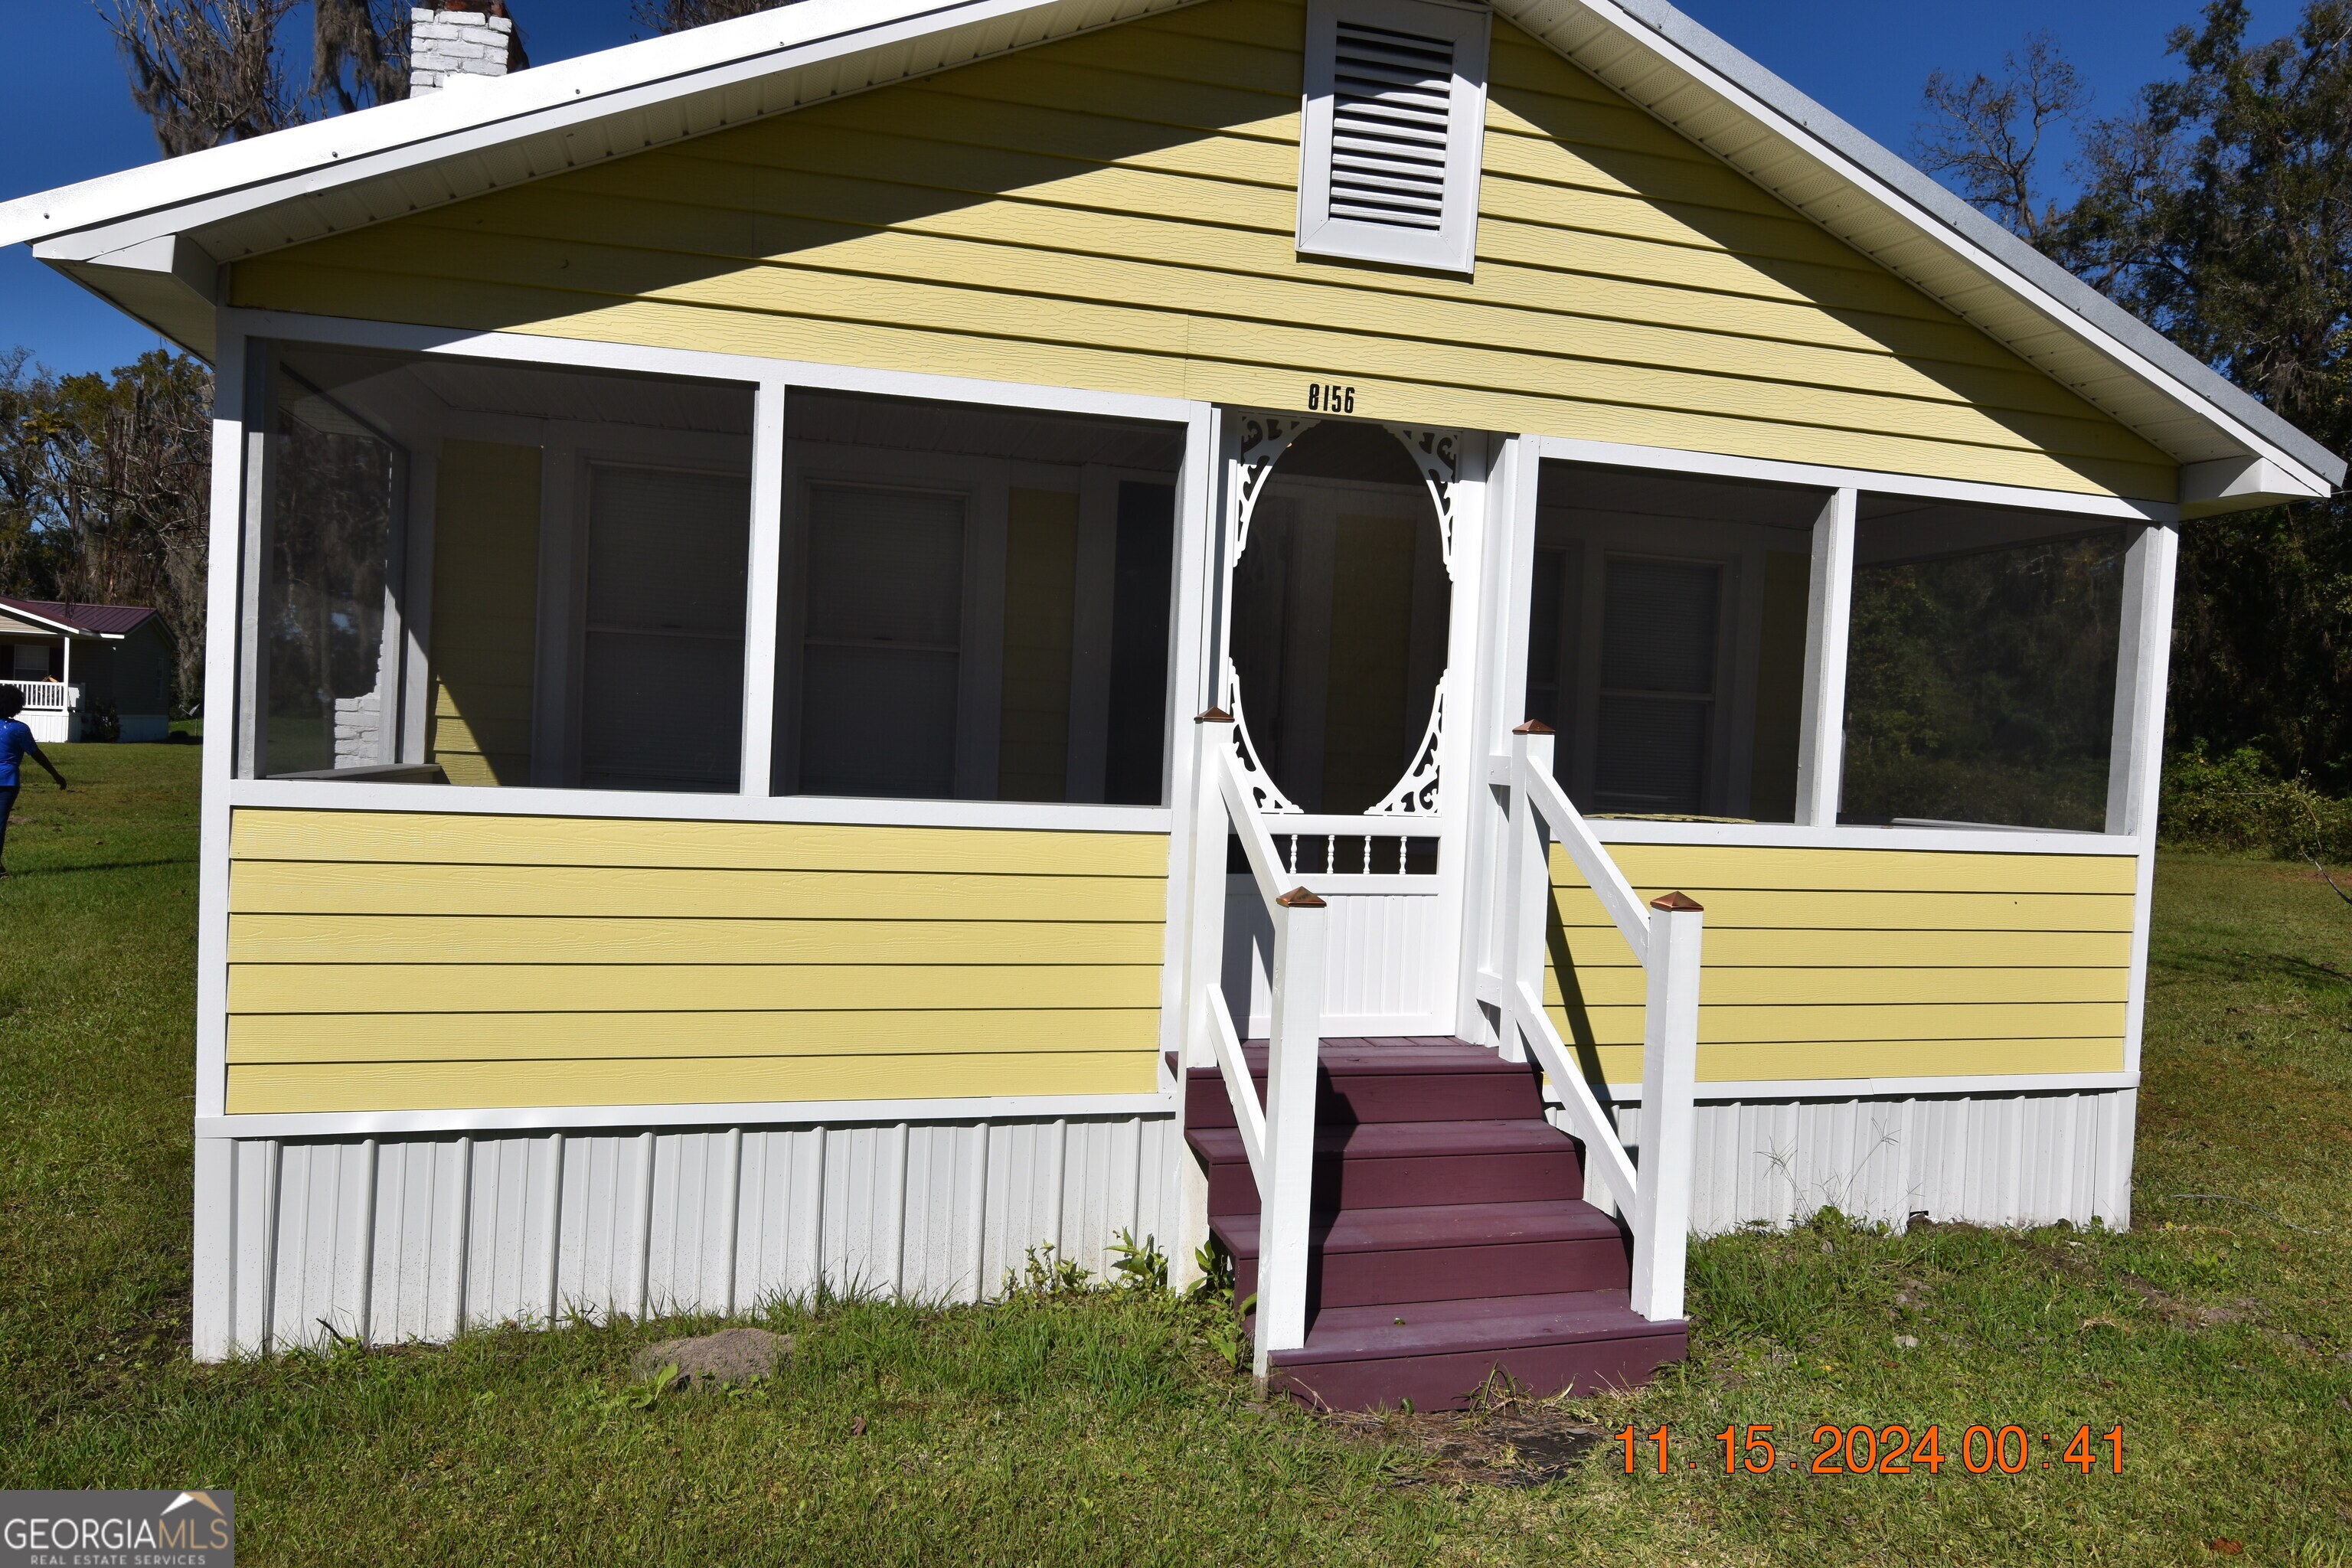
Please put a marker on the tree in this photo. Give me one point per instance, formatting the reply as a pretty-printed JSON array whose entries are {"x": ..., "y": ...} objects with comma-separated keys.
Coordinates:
[
  {"x": 105, "y": 488},
  {"x": 208, "y": 71},
  {"x": 1988, "y": 136},
  {"x": 2219, "y": 209},
  {"x": 677, "y": 16},
  {"x": 2221, "y": 212}
]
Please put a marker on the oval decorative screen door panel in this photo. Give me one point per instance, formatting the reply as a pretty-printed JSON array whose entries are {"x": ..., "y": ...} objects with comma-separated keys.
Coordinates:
[{"x": 1349, "y": 558}]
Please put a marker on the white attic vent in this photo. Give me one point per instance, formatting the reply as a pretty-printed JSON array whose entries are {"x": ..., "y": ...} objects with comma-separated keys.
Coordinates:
[{"x": 1395, "y": 117}]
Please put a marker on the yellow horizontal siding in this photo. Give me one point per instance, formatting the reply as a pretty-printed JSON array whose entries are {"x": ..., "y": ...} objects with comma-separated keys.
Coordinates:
[
  {"x": 456, "y": 1086},
  {"x": 1863, "y": 962},
  {"x": 1116, "y": 211},
  {"x": 280, "y": 887},
  {"x": 677, "y": 988},
  {"x": 625, "y": 939},
  {"x": 296, "y": 1037},
  {"x": 443, "y": 839},
  {"x": 410, "y": 961}
]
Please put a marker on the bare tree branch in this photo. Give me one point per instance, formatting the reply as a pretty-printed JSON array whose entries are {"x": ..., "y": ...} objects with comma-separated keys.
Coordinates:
[
  {"x": 205, "y": 71},
  {"x": 370, "y": 38},
  {"x": 677, "y": 16},
  {"x": 1987, "y": 137}
]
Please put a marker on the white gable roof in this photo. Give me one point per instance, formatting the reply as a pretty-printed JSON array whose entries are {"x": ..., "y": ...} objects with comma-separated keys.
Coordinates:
[{"x": 151, "y": 240}]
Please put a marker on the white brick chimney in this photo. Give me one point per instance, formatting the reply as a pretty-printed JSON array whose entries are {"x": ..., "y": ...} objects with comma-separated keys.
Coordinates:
[{"x": 458, "y": 41}]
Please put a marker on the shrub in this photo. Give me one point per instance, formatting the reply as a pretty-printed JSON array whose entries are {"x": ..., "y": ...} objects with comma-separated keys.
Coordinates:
[{"x": 2238, "y": 803}]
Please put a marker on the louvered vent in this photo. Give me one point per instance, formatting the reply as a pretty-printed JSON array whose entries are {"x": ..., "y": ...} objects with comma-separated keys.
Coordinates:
[{"x": 1392, "y": 101}]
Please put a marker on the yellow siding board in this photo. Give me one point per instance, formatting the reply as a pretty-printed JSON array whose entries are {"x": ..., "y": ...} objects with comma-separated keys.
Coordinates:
[
  {"x": 1725, "y": 986},
  {"x": 1069, "y": 297},
  {"x": 1922, "y": 1024},
  {"x": 294, "y": 1037},
  {"x": 444, "y": 1086},
  {"x": 559, "y": 939},
  {"x": 1844, "y": 913},
  {"x": 1839, "y": 962},
  {"x": 266, "y": 887},
  {"x": 1698, "y": 291},
  {"x": 452, "y": 839},
  {"x": 679, "y": 987},
  {"x": 1195, "y": 119},
  {"x": 1801, "y": 948},
  {"x": 1662, "y": 866},
  {"x": 1524, "y": 309},
  {"x": 484, "y": 594},
  {"x": 1883, "y": 1058}
]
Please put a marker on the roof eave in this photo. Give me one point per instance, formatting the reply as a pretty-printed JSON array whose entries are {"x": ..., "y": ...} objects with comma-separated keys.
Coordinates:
[
  {"x": 1779, "y": 119},
  {"x": 147, "y": 240}
]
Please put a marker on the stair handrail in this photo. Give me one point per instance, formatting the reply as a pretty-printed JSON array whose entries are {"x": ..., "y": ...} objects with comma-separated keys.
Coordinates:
[
  {"x": 1665, "y": 938},
  {"x": 1279, "y": 1138}
]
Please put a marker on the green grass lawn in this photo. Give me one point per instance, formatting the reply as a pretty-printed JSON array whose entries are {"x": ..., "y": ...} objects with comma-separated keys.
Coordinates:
[{"x": 1103, "y": 1428}]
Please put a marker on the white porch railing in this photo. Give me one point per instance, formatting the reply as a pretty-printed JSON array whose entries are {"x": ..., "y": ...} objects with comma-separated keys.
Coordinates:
[
  {"x": 48, "y": 695},
  {"x": 1665, "y": 940},
  {"x": 1278, "y": 1138}
]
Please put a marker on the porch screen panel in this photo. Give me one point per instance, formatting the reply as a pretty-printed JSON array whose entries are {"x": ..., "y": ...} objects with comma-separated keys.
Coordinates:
[
  {"x": 322, "y": 620},
  {"x": 1980, "y": 680},
  {"x": 1666, "y": 628},
  {"x": 662, "y": 689},
  {"x": 883, "y": 658},
  {"x": 1657, "y": 686},
  {"x": 975, "y": 601}
]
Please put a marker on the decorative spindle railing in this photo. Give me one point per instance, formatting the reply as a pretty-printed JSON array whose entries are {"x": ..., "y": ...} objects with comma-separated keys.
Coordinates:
[
  {"x": 46, "y": 696},
  {"x": 1666, "y": 939}
]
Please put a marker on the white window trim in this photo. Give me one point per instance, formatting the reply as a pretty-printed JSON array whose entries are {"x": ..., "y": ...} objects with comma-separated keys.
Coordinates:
[{"x": 1453, "y": 246}]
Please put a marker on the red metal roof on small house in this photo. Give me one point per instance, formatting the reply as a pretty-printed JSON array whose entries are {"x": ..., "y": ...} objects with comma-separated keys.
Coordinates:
[{"x": 104, "y": 620}]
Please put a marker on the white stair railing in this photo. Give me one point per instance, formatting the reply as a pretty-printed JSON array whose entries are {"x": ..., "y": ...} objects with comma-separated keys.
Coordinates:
[
  {"x": 1665, "y": 938},
  {"x": 1279, "y": 1138}
]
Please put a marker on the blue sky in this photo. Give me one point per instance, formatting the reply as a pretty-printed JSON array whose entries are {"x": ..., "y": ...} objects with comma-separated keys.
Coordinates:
[{"x": 65, "y": 115}]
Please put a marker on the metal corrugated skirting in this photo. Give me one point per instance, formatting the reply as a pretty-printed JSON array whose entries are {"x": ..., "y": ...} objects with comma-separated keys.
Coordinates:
[
  {"x": 413, "y": 1238},
  {"x": 2004, "y": 1160}
]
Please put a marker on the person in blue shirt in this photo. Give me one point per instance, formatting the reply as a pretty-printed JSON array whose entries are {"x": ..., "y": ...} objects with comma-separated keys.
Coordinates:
[{"x": 16, "y": 744}]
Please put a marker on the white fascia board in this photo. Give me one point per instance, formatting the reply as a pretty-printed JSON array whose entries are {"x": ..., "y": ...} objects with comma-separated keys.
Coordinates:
[
  {"x": 2239, "y": 484},
  {"x": 1671, "y": 66},
  {"x": 62, "y": 628},
  {"x": 84, "y": 221}
]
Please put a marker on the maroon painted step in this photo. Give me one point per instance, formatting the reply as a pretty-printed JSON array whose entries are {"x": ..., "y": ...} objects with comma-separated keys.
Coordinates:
[
  {"x": 1365, "y": 1257},
  {"x": 1380, "y": 1080},
  {"x": 1361, "y": 1358},
  {"x": 1404, "y": 1164},
  {"x": 1449, "y": 1240}
]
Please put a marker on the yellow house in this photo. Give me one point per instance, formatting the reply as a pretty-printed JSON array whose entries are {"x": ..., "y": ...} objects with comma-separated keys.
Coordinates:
[{"x": 719, "y": 547}]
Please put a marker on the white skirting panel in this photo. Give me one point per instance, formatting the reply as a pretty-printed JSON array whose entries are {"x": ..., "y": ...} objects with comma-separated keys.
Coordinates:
[
  {"x": 2001, "y": 1160},
  {"x": 413, "y": 1238},
  {"x": 1385, "y": 962}
]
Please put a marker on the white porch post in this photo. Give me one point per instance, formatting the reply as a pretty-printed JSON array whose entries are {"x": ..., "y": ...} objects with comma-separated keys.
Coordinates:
[
  {"x": 1662, "y": 1191},
  {"x": 1294, "y": 1046},
  {"x": 763, "y": 597},
  {"x": 2135, "y": 779},
  {"x": 1821, "y": 740}
]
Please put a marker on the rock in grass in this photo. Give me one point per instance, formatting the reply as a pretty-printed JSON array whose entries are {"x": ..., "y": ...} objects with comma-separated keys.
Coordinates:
[{"x": 706, "y": 1361}]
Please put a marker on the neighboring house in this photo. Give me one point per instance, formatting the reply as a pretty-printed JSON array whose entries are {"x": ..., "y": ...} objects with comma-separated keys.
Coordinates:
[
  {"x": 73, "y": 663},
  {"x": 731, "y": 535}
]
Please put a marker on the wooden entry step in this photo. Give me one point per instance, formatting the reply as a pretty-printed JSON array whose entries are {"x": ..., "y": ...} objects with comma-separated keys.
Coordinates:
[{"x": 1450, "y": 1236}]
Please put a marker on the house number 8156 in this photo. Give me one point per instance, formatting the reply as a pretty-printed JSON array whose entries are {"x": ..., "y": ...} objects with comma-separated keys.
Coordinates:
[{"x": 1330, "y": 397}]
